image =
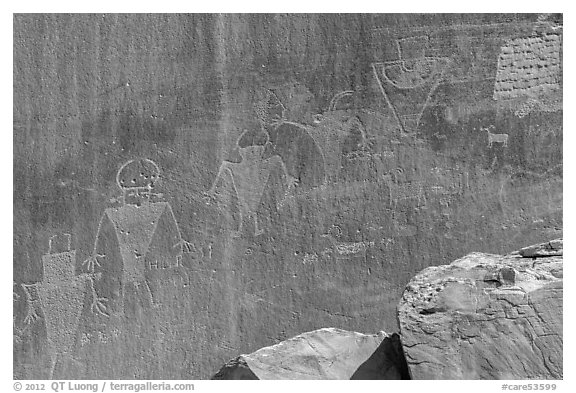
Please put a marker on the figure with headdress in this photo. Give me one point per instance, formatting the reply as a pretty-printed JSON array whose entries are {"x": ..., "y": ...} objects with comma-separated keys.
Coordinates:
[
  {"x": 138, "y": 240},
  {"x": 59, "y": 298},
  {"x": 291, "y": 141}
]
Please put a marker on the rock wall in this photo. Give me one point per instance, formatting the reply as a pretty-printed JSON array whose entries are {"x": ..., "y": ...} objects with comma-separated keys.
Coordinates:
[
  {"x": 484, "y": 316},
  {"x": 214, "y": 184}
]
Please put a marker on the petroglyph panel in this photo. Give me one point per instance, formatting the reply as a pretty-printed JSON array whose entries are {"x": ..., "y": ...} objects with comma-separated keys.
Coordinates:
[
  {"x": 219, "y": 183},
  {"x": 529, "y": 67}
]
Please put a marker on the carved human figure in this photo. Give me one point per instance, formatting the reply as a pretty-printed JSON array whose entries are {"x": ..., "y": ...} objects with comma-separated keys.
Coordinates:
[
  {"x": 291, "y": 140},
  {"x": 60, "y": 296},
  {"x": 137, "y": 240},
  {"x": 310, "y": 144},
  {"x": 250, "y": 176}
]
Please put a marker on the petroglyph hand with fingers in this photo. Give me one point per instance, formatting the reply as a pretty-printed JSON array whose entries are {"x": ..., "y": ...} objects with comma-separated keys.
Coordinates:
[
  {"x": 291, "y": 182},
  {"x": 91, "y": 262},
  {"x": 98, "y": 305}
]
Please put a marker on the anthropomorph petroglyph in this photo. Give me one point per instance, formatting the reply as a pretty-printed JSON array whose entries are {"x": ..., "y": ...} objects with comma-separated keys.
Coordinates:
[
  {"x": 289, "y": 139},
  {"x": 250, "y": 176},
  {"x": 139, "y": 237},
  {"x": 408, "y": 83},
  {"x": 60, "y": 296},
  {"x": 312, "y": 151}
]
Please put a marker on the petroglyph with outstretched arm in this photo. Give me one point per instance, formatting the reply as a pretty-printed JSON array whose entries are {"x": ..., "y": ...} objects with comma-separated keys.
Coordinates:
[
  {"x": 250, "y": 176},
  {"x": 60, "y": 297},
  {"x": 139, "y": 236}
]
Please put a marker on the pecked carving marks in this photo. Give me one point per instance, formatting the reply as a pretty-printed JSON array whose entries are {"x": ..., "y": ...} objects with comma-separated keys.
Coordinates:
[
  {"x": 137, "y": 240},
  {"x": 60, "y": 296},
  {"x": 133, "y": 228},
  {"x": 529, "y": 67}
]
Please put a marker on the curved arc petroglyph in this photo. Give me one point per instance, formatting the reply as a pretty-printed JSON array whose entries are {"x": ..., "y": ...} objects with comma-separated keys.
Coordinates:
[{"x": 438, "y": 76}]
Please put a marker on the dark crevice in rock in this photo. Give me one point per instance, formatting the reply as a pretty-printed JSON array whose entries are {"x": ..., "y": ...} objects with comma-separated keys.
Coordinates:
[
  {"x": 235, "y": 369},
  {"x": 387, "y": 362}
]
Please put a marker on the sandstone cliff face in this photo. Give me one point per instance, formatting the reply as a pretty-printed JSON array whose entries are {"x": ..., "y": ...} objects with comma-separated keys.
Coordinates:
[
  {"x": 486, "y": 316},
  {"x": 138, "y": 141},
  {"x": 322, "y": 354}
]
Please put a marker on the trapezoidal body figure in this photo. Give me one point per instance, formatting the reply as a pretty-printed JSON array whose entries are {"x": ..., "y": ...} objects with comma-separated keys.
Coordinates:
[
  {"x": 250, "y": 176},
  {"x": 60, "y": 296},
  {"x": 137, "y": 241}
]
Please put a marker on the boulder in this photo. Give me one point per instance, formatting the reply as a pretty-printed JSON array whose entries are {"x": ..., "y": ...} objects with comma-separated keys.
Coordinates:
[
  {"x": 486, "y": 316},
  {"x": 323, "y": 354},
  {"x": 549, "y": 249}
]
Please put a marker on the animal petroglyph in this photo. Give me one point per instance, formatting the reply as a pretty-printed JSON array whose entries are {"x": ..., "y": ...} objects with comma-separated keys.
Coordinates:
[
  {"x": 408, "y": 83},
  {"x": 60, "y": 296},
  {"x": 250, "y": 176},
  {"x": 343, "y": 250},
  {"x": 498, "y": 138},
  {"x": 529, "y": 67},
  {"x": 140, "y": 234}
]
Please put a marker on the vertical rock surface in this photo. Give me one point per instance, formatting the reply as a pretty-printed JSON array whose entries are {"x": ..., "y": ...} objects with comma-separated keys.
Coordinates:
[
  {"x": 486, "y": 316},
  {"x": 229, "y": 181}
]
